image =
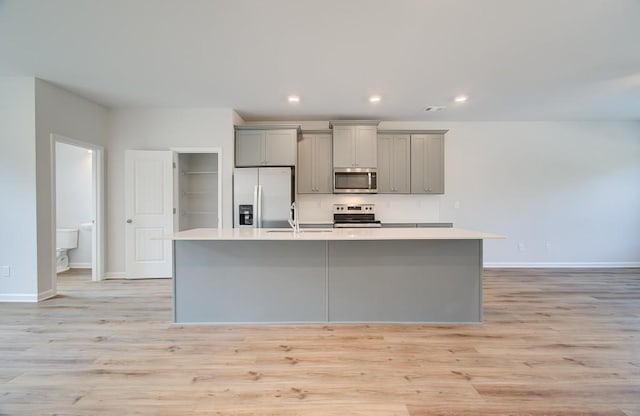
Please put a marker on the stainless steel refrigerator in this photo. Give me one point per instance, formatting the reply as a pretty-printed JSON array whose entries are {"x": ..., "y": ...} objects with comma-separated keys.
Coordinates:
[{"x": 262, "y": 197}]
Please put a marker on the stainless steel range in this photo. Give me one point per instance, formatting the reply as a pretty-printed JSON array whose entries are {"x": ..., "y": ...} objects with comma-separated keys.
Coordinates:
[{"x": 355, "y": 216}]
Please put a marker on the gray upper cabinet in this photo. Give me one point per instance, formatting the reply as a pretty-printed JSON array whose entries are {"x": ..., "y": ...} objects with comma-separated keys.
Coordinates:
[
  {"x": 427, "y": 163},
  {"x": 266, "y": 146},
  {"x": 343, "y": 147},
  {"x": 314, "y": 171},
  {"x": 355, "y": 145},
  {"x": 394, "y": 164},
  {"x": 249, "y": 148}
]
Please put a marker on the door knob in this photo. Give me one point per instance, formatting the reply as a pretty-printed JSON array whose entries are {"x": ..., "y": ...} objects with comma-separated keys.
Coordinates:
[{"x": 129, "y": 221}]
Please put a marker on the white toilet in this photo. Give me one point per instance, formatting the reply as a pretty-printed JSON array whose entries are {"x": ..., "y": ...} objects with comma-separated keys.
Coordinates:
[{"x": 66, "y": 239}]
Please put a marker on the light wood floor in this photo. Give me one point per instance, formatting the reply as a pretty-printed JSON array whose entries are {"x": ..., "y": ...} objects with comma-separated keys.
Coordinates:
[{"x": 553, "y": 342}]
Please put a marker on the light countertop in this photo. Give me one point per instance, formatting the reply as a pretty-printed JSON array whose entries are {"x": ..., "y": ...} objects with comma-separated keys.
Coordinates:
[{"x": 331, "y": 234}]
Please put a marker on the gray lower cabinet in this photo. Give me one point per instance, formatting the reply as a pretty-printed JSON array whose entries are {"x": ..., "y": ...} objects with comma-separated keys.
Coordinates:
[
  {"x": 328, "y": 281},
  {"x": 250, "y": 281},
  {"x": 427, "y": 163},
  {"x": 399, "y": 225},
  {"x": 405, "y": 281},
  {"x": 394, "y": 164},
  {"x": 314, "y": 171},
  {"x": 266, "y": 147}
]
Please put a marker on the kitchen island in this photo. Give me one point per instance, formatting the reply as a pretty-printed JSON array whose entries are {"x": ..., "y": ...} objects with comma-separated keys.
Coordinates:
[{"x": 250, "y": 275}]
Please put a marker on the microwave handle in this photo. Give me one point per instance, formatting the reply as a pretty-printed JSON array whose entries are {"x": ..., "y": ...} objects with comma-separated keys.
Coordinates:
[{"x": 369, "y": 179}]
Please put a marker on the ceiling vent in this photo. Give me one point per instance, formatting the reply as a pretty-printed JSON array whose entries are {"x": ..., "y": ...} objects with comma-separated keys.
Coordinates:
[{"x": 432, "y": 108}]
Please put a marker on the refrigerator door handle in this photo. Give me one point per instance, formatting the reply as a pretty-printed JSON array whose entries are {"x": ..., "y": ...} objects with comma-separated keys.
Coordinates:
[
  {"x": 259, "y": 206},
  {"x": 256, "y": 207}
]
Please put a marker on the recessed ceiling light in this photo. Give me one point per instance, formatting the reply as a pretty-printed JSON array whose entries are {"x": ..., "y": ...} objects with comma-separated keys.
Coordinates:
[
  {"x": 461, "y": 98},
  {"x": 435, "y": 108},
  {"x": 293, "y": 99},
  {"x": 375, "y": 99}
]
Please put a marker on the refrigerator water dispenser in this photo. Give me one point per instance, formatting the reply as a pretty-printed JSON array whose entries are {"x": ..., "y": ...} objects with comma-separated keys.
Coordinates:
[{"x": 246, "y": 214}]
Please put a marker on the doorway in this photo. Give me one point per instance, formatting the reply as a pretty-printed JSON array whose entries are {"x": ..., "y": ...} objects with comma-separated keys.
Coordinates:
[
  {"x": 77, "y": 201},
  {"x": 167, "y": 191}
]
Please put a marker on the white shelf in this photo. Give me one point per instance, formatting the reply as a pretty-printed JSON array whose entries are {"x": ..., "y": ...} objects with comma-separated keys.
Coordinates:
[
  {"x": 195, "y": 172},
  {"x": 197, "y": 193},
  {"x": 199, "y": 212}
]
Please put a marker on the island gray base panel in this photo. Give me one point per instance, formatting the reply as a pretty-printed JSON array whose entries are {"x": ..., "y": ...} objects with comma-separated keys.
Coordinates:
[
  {"x": 318, "y": 281},
  {"x": 405, "y": 281},
  {"x": 249, "y": 281}
]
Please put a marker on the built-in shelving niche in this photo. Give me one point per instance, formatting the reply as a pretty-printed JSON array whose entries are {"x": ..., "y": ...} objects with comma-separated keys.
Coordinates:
[{"x": 197, "y": 205}]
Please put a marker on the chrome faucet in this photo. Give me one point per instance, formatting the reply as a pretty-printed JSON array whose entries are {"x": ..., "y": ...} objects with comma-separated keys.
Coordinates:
[{"x": 293, "y": 221}]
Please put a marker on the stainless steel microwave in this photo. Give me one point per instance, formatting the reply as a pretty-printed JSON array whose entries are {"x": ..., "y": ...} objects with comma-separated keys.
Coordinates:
[{"x": 355, "y": 181}]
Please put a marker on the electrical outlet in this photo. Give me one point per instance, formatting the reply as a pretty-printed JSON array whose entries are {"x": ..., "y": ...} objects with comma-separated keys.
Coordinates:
[
  {"x": 520, "y": 246},
  {"x": 547, "y": 245},
  {"x": 456, "y": 204},
  {"x": 5, "y": 271}
]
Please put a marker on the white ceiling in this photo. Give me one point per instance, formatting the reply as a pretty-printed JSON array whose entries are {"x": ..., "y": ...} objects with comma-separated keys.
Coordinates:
[{"x": 516, "y": 59}]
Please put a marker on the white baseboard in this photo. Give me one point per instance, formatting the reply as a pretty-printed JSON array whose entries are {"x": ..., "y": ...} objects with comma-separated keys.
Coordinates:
[
  {"x": 46, "y": 295},
  {"x": 24, "y": 297},
  {"x": 18, "y": 297},
  {"x": 591, "y": 265},
  {"x": 147, "y": 277},
  {"x": 80, "y": 265},
  {"x": 123, "y": 275},
  {"x": 114, "y": 275}
]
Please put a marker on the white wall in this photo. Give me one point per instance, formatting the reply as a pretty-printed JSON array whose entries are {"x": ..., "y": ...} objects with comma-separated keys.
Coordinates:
[
  {"x": 73, "y": 198},
  {"x": 567, "y": 192},
  {"x": 31, "y": 110},
  {"x": 58, "y": 112},
  {"x": 564, "y": 193},
  {"x": 159, "y": 129},
  {"x": 18, "y": 234}
]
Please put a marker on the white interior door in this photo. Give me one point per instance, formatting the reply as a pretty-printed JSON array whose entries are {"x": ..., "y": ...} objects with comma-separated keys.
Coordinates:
[{"x": 149, "y": 212}]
